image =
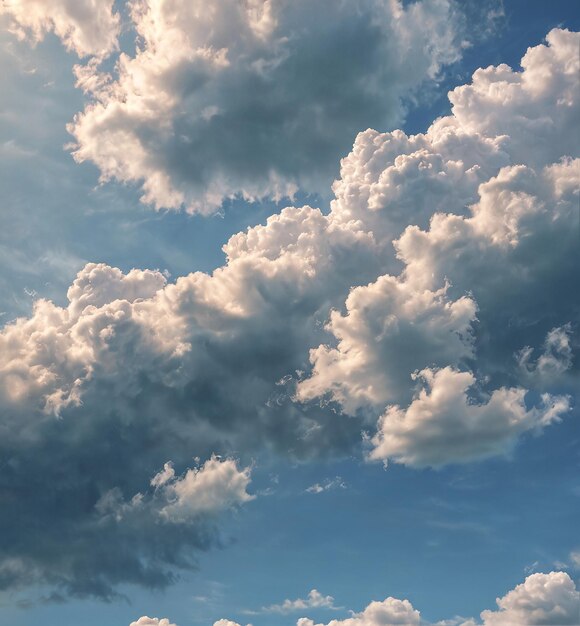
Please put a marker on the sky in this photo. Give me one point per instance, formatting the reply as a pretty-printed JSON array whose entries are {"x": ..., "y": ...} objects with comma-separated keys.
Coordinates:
[{"x": 289, "y": 313}]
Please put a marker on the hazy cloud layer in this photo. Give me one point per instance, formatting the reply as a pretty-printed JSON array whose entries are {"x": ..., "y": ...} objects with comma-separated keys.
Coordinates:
[
  {"x": 254, "y": 98},
  {"x": 311, "y": 315}
]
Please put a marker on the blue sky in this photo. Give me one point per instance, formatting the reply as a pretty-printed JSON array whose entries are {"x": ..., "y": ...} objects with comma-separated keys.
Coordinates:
[{"x": 367, "y": 481}]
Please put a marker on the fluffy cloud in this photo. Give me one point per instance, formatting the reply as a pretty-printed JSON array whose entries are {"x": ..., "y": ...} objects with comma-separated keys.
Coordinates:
[
  {"x": 542, "y": 599},
  {"x": 97, "y": 395},
  {"x": 550, "y": 599},
  {"x": 389, "y": 612},
  {"x": 254, "y": 98},
  {"x": 391, "y": 329},
  {"x": 87, "y": 27},
  {"x": 151, "y": 621},
  {"x": 443, "y": 425}
]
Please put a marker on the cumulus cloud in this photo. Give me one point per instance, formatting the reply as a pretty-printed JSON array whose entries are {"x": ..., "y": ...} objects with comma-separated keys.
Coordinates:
[
  {"x": 254, "y": 98},
  {"x": 151, "y": 621},
  {"x": 549, "y": 599},
  {"x": 443, "y": 425},
  {"x": 87, "y": 27},
  {"x": 389, "y": 612},
  {"x": 542, "y": 599},
  {"x": 311, "y": 315}
]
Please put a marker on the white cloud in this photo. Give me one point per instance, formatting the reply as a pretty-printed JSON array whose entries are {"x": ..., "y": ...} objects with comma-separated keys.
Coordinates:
[
  {"x": 334, "y": 483},
  {"x": 151, "y": 621},
  {"x": 548, "y": 599},
  {"x": 216, "y": 486},
  {"x": 202, "y": 492},
  {"x": 542, "y": 599},
  {"x": 246, "y": 99},
  {"x": 443, "y": 425},
  {"x": 314, "y": 600},
  {"x": 389, "y": 612},
  {"x": 87, "y": 27},
  {"x": 391, "y": 328}
]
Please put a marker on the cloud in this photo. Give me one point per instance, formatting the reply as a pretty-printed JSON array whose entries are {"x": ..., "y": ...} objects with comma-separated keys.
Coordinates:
[
  {"x": 151, "y": 621},
  {"x": 254, "y": 99},
  {"x": 542, "y": 599},
  {"x": 314, "y": 600},
  {"x": 311, "y": 316},
  {"x": 549, "y": 599},
  {"x": 443, "y": 425},
  {"x": 334, "y": 483},
  {"x": 111, "y": 539},
  {"x": 86, "y": 27},
  {"x": 389, "y": 612}
]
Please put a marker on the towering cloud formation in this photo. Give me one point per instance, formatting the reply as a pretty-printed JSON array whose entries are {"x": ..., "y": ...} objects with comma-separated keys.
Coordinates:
[
  {"x": 310, "y": 309},
  {"x": 254, "y": 98}
]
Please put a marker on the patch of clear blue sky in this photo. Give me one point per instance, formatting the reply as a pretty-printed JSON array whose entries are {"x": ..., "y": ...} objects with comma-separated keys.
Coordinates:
[{"x": 451, "y": 540}]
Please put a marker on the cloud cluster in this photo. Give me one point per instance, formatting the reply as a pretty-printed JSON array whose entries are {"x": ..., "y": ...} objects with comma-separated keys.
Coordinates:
[
  {"x": 87, "y": 27},
  {"x": 389, "y": 612},
  {"x": 256, "y": 98},
  {"x": 311, "y": 316},
  {"x": 541, "y": 599}
]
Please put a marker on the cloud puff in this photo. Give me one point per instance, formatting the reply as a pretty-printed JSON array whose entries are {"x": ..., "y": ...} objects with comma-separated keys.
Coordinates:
[
  {"x": 87, "y": 27},
  {"x": 97, "y": 395},
  {"x": 254, "y": 98},
  {"x": 542, "y": 599},
  {"x": 443, "y": 425},
  {"x": 389, "y": 612},
  {"x": 151, "y": 621},
  {"x": 390, "y": 329},
  {"x": 314, "y": 600}
]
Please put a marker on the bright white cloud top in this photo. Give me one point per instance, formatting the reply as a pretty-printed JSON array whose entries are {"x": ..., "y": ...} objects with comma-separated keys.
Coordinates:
[{"x": 424, "y": 308}]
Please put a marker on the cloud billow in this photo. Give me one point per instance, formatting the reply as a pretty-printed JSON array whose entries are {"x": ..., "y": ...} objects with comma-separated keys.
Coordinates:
[
  {"x": 315, "y": 328},
  {"x": 254, "y": 99}
]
